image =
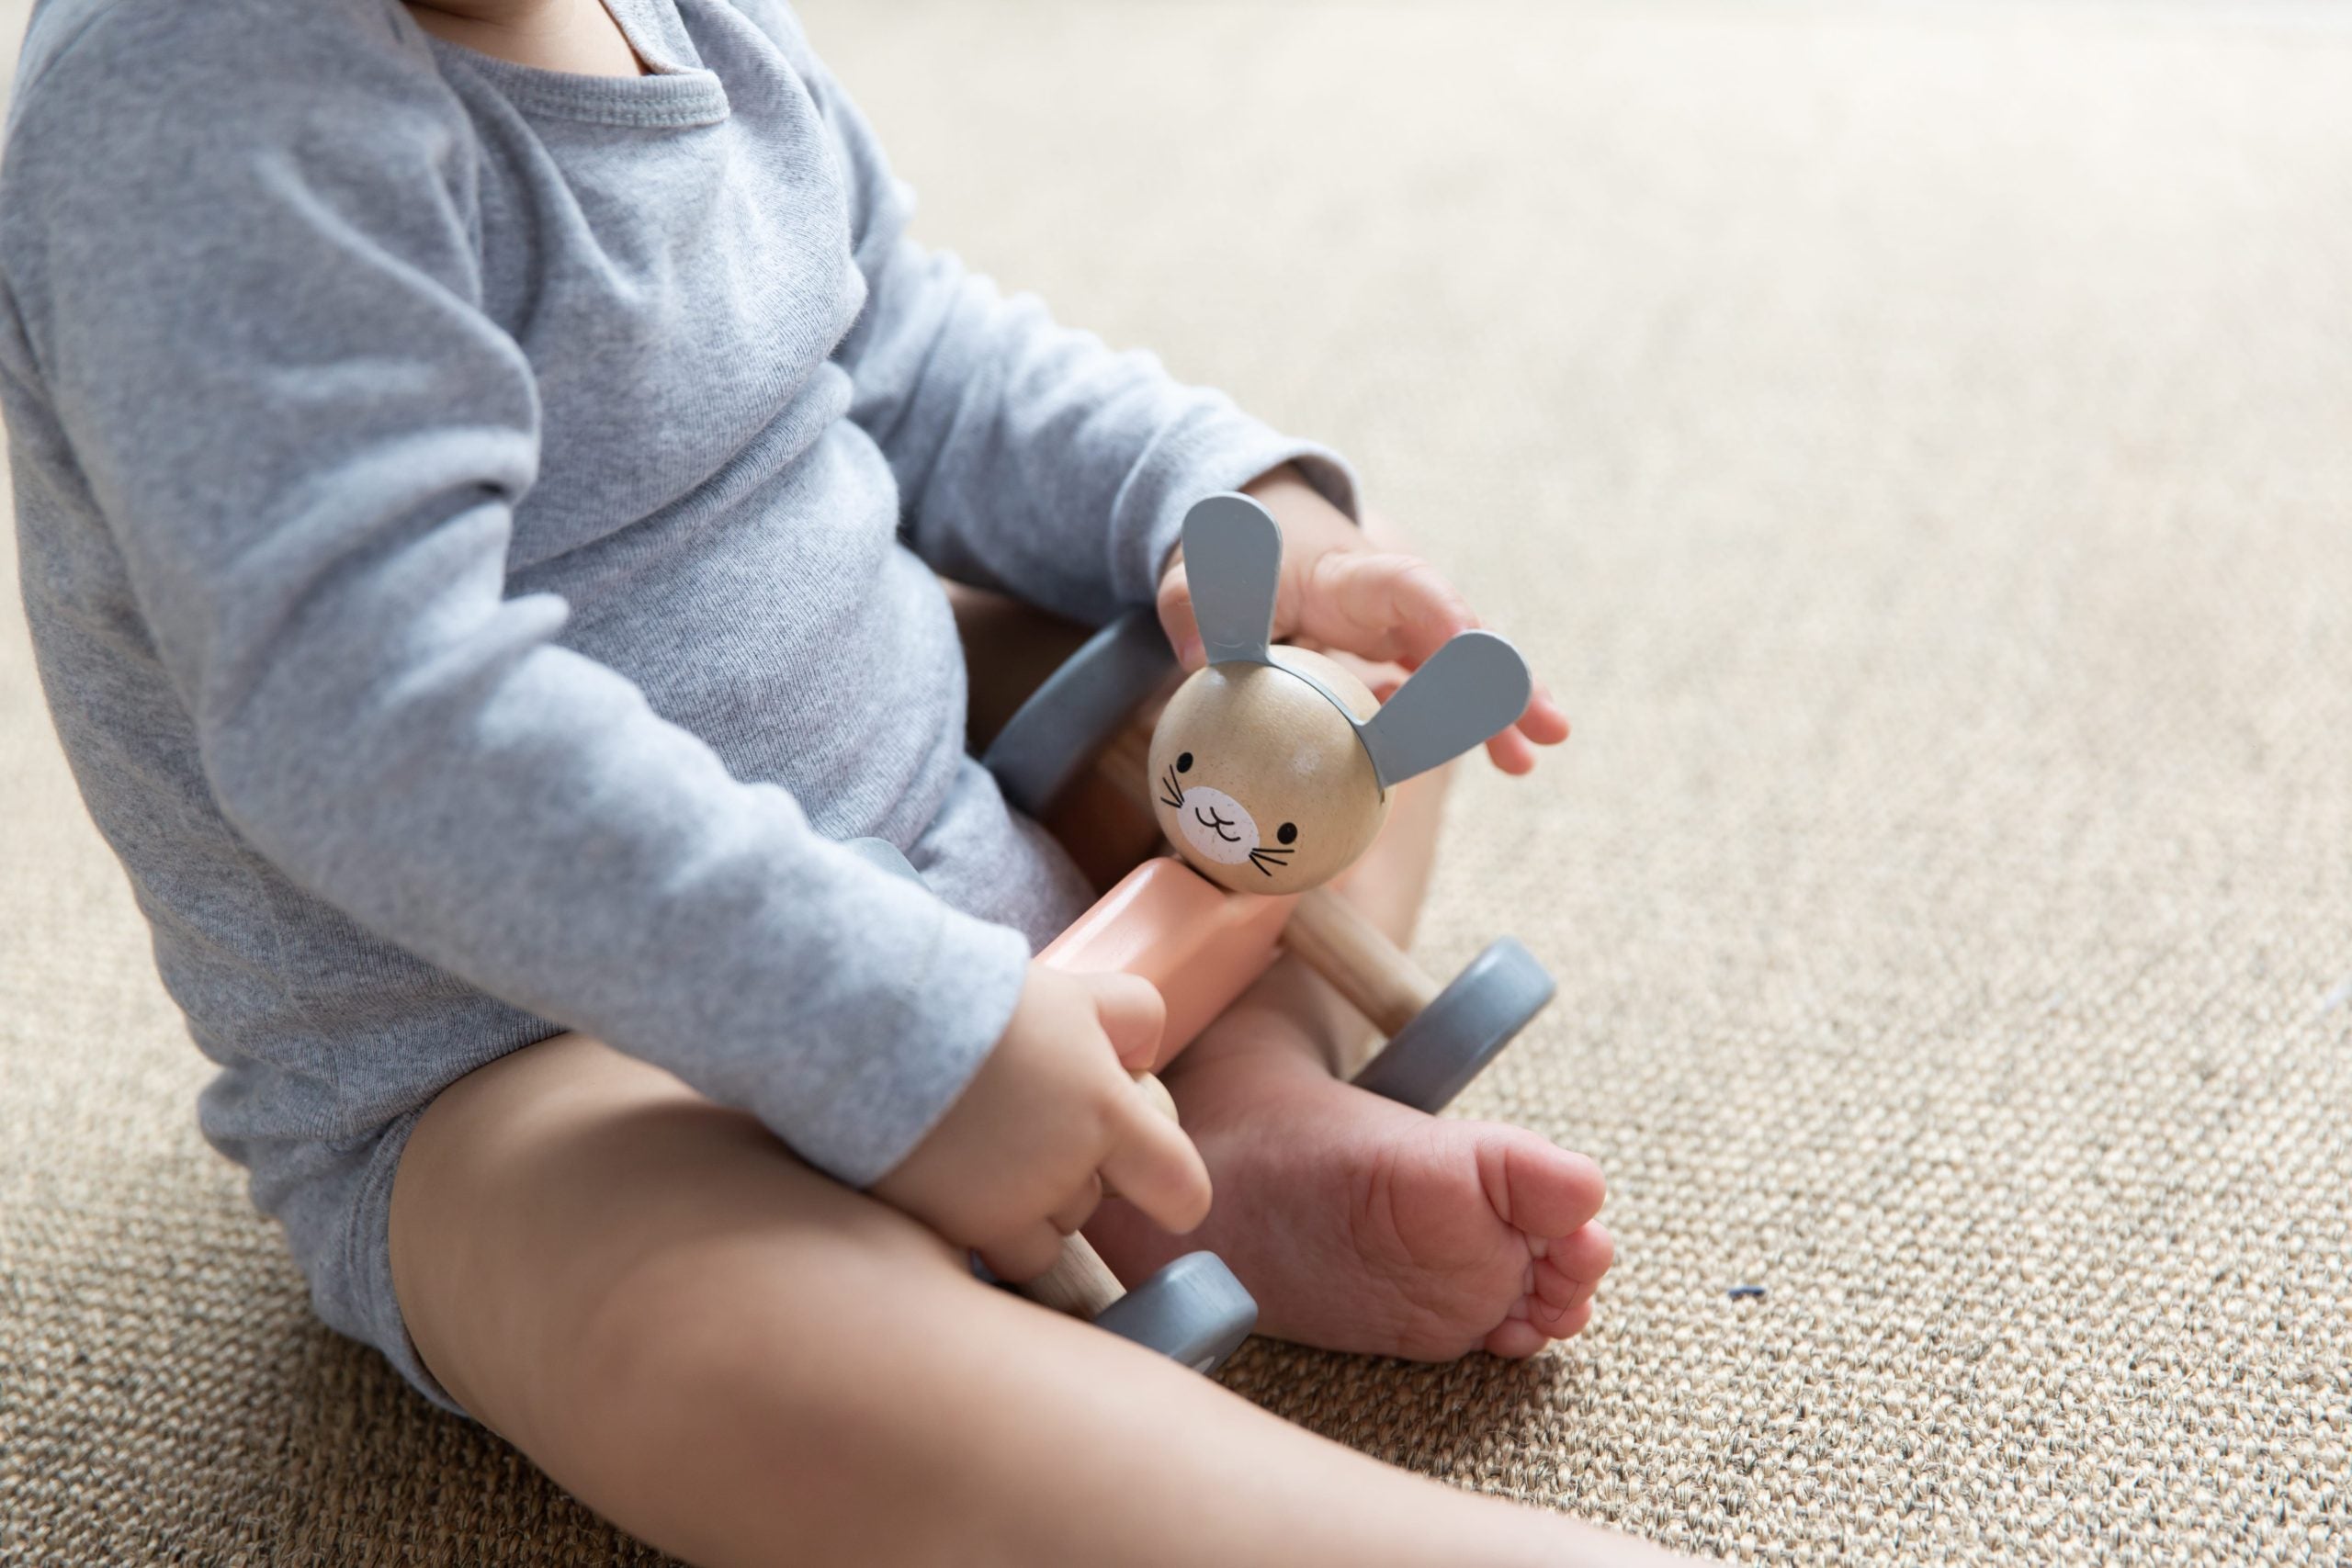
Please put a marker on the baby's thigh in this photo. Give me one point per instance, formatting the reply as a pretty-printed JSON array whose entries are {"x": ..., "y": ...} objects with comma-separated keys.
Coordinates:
[{"x": 596, "y": 1262}]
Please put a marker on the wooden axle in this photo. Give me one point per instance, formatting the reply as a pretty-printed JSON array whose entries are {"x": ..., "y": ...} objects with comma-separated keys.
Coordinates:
[
  {"x": 1379, "y": 979},
  {"x": 1079, "y": 1283}
]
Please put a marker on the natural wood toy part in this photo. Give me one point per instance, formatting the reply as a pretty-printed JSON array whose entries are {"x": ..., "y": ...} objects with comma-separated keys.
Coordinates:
[{"x": 1258, "y": 780}]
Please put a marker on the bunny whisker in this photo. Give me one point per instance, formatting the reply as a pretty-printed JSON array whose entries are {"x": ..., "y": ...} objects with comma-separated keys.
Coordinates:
[{"x": 1171, "y": 794}]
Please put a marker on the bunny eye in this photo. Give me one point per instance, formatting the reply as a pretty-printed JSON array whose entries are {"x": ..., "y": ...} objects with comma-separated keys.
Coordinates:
[
  {"x": 1184, "y": 763},
  {"x": 1270, "y": 859}
]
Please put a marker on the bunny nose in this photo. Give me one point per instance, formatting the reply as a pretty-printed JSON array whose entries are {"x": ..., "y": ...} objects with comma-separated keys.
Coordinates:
[{"x": 1219, "y": 826}]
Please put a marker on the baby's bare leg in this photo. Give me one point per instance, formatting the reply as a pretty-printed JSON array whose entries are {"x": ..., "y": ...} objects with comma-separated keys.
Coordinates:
[{"x": 741, "y": 1361}]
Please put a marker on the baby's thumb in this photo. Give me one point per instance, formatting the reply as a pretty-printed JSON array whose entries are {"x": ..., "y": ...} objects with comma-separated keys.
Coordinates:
[{"x": 1133, "y": 1013}]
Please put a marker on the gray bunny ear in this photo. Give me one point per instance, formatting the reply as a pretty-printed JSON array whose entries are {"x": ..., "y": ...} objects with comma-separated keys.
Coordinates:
[
  {"x": 1233, "y": 558},
  {"x": 1468, "y": 692}
]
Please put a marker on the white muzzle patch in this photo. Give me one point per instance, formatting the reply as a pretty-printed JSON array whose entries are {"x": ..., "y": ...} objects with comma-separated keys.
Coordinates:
[{"x": 1219, "y": 826}]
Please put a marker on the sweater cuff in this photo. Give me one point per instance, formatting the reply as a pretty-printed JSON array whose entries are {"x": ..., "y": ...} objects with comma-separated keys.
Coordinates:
[
  {"x": 918, "y": 1045},
  {"x": 1215, "y": 448}
]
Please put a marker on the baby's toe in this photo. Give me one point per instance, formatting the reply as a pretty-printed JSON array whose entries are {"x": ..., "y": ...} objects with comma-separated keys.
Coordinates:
[
  {"x": 1560, "y": 1323},
  {"x": 1556, "y": 1289},
  {"x": 1581, "y": 1257},
  {"x": 1534, "y": 1323},
  {"x": 1515, "y": 1339},
  {"x": 1538, "y": 1187}
]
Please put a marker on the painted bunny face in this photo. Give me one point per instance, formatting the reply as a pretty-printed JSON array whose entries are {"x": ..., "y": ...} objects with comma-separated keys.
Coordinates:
[
  {"x": 1272, "y": 767},
  {"x": 1258, "y": 779}
]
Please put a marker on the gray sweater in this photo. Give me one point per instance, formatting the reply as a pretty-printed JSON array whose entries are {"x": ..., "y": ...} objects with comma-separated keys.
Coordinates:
[{"x": 479, "y": 531}]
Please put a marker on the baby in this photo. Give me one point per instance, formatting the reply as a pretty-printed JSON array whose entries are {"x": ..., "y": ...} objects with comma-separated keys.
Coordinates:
[{"x": 485, "y": 470}]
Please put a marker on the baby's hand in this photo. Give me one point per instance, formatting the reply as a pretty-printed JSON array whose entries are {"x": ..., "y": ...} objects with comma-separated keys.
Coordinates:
[
  {"x": 1051, "y": 1119},
  {"x": 1343, "y": 591}
]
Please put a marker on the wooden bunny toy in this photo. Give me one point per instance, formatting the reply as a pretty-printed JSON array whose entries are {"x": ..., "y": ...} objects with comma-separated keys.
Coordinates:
[{"x": 1271, "y": 770}]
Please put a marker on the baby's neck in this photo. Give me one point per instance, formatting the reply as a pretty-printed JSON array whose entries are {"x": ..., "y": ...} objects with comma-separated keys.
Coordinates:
[{"x": 578, "y": 35}]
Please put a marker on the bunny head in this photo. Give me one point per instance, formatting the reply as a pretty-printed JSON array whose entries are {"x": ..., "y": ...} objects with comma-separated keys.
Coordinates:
[{"x": 1273, "y": 767}]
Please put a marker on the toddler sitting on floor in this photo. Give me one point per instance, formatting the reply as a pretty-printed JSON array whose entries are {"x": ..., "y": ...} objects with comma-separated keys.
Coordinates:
[{"x": 482, "y": 467}]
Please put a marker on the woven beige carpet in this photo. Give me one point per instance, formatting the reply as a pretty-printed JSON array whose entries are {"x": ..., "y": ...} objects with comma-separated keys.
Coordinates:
[{"x": 1917, "y": 441}]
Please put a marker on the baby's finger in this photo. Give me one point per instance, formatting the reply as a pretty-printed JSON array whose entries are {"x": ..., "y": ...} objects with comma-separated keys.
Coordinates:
[
  {"x": 1079, "y": 1207},
  {"x": 1509, "y": 751},
  {"x": 1022, "y": 1256},
  {"x": 1133, "y": 1014},
  {"x": 1155, "y": 1167},
  {"x": 1544, "y": 722},
  {"x": 1380, "y": 606},
  {"x": 1176, "y": 618}
]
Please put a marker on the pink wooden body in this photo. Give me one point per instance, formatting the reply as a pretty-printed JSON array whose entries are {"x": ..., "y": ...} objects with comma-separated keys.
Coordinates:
[{"x": 1200, "y": 944}]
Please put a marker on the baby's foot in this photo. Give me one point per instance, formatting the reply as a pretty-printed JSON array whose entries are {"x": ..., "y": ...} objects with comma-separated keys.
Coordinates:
[{"x": 1359, "y": 1224}]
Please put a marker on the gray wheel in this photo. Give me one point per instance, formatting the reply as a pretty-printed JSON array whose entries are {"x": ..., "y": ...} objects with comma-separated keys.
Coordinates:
[
  {"x": 1194, "y": 1310},
  {"x": 1450, "y": 1041},
  {"x": 1079, "y": 709}
]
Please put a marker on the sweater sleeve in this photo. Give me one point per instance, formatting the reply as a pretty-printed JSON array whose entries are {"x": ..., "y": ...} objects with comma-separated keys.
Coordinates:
[
  {"x": 254, "y": 319},
  {"x": 1031, "y": 457}
]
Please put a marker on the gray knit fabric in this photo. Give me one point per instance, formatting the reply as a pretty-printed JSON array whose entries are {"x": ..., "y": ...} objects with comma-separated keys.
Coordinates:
[{"x": 478, "y": 528}]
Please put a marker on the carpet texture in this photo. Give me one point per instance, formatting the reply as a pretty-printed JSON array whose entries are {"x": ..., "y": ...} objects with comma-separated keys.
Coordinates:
[{"x": 1917, "y": 441}]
